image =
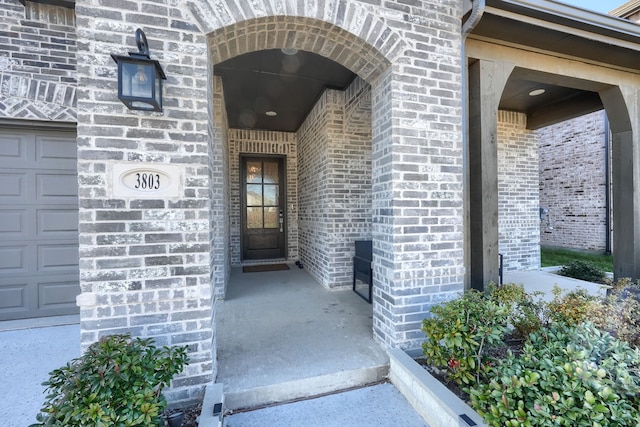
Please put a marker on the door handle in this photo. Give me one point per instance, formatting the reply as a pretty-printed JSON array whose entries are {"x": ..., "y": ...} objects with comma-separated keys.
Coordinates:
[{"x": 281, "y": 220}]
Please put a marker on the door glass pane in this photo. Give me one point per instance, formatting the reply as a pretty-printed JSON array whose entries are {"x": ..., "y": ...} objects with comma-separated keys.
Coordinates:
[
  {"x": 254, "y": 172},
  {"x": 271, "y": 175},
  {"x": 271, "y": 195},
  {"x": 254, "y": 217},
  {"x": 271, "y": 218},
  {"x": 254, "y": 195}
]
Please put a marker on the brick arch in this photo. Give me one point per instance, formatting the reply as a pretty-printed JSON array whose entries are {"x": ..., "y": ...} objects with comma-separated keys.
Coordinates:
[{"x": 347, "y": 33}]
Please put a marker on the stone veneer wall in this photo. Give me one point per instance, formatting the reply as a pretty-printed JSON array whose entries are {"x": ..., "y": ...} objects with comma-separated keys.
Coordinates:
[
  {"x": 518, "y": 215},
  {"x": 246, "y": 141},
  {"x": 335, "y": 182},
  {"x": 573, "y": 183},
  {"x": 37, "y": 62}
]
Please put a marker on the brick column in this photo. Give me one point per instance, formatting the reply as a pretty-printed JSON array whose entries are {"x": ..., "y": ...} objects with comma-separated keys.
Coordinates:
[
  {"x": 417, "y": 202},
  {"x": 145, "y": 261}
]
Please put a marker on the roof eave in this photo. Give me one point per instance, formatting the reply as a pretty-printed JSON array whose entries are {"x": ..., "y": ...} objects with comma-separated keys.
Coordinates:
[
  {"x": 627, "y": 9},
  {"x": 572, "y": 17}
]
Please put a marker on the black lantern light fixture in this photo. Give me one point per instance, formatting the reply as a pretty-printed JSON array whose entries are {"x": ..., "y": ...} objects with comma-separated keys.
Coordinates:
[{"x": 140, "y": 78}]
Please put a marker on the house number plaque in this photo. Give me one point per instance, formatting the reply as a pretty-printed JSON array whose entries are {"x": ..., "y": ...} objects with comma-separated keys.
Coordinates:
[{"x": 148, "y": 180}]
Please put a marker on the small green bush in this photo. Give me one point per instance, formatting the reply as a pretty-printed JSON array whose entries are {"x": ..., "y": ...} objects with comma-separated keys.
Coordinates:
[
  {"x": 572, "y": 308},
  {"x": 583, "y": 270},
  {"x": 619, "y": 313},
  {"x": 461, "y": 334},
  {"x": 527, "y": 311},
  {"x": 565, "y": 376},
  {"x": 118, "y": 381}
]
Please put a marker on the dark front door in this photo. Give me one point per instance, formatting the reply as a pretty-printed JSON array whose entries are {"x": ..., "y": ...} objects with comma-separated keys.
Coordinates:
[{"x": 263, "y": 207}]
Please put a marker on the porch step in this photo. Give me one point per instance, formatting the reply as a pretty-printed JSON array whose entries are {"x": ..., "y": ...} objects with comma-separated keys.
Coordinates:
[{"x": 304, "y": 388}]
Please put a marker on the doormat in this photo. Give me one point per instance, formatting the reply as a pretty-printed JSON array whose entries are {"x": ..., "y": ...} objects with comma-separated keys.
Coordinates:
[{"x": 264, "y": 267}]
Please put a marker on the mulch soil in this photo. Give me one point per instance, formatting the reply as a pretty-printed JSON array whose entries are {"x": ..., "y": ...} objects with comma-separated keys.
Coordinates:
[{"x": 191, "y": 415}]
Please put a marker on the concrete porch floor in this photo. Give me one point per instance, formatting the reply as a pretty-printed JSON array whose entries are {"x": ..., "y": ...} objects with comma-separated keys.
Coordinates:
[{"x": 282, "y": 336}]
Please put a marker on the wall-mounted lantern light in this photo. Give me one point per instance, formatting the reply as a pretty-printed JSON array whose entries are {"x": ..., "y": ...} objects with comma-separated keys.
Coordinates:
[{"x": 140, "y": 78}]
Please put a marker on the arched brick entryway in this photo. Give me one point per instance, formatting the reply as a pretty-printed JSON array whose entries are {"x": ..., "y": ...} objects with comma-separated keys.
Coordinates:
[
  {"x": 333, "y": 42},
  {"x": 151, "y": 265}
]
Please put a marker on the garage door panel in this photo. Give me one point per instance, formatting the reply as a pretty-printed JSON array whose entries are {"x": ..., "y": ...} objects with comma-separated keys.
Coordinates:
[
  {"x": 13, "y": 260},
  {"x": 38, "y": 224},
  {"x": 54, "y": 152},
  {"x": 56, "y": 188},
  {"x": 58, "y": 223},
  {"x": 13, "y": 149},
  {"x": 13, "y": 187},
  {"x": 13, "y": 299},
  {"x": 59, "y": 294},
  {"x": 13, "y": 223},
  {"x": 59, "y": 257}
]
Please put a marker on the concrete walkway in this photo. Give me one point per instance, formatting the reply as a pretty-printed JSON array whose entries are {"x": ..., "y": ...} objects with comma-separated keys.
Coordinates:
[
  {"x": 380, "y": 406},
  {"x": 26, "y": 358},
  {"x": 544, "y": 281}
]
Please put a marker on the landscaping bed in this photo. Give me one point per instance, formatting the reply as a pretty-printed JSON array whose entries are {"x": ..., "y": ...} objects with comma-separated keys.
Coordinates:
[
  {"x": 435, "y": 403},
  {"x": 561, "y": 369}
]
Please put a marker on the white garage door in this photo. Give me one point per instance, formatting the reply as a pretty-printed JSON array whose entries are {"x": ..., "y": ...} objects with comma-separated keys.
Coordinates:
[{"x": 38, "y": 224}]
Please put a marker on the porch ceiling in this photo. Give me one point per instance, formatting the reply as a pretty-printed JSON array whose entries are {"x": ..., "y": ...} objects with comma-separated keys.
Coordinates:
[
  {"x": 270, "y": 80},
  {"x": 556, "y": 104},
  {"x": 563, "y": 31}
]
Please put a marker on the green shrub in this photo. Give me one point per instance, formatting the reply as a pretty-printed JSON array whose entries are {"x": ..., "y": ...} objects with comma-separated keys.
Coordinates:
[
  {"x": 567, "y": 376},
  {"x": 573, "y": 308},
  {"x": 461, "y": 334},
  {"x": 527, "y": 311},
  {"x": 117, "y": 382},
  {"x": 583, "y": 270},
  {"x": 619, "y": 313}
]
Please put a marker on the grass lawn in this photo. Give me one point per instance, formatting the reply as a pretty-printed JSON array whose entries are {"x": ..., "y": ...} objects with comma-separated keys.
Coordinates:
[{"x": 553, "y": 257}]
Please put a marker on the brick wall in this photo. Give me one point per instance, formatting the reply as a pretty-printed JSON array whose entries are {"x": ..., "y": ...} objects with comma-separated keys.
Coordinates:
[
  {"x": 246, "y": 141},
  {"x": 518, "y": 215},
  {"x": 335, "y": 182},
  {"x": 349, "y": 180},
  {"x": 146, "y": 264},
  {"x": 37, "y": 61},
  {"x": 573, "y": 183},
  {"x": 220, "y": 197},
  {"x": 417, "y": 171},
  {"x": 155, "y": 266},
  {"x": 313, "y": 182}
]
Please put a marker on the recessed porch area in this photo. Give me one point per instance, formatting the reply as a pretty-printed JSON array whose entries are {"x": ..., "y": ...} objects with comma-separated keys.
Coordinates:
[{"x": 282, "y": 336}]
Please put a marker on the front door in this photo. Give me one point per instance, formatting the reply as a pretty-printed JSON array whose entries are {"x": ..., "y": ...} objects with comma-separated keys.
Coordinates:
[{"x": 263, "y": 208}]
